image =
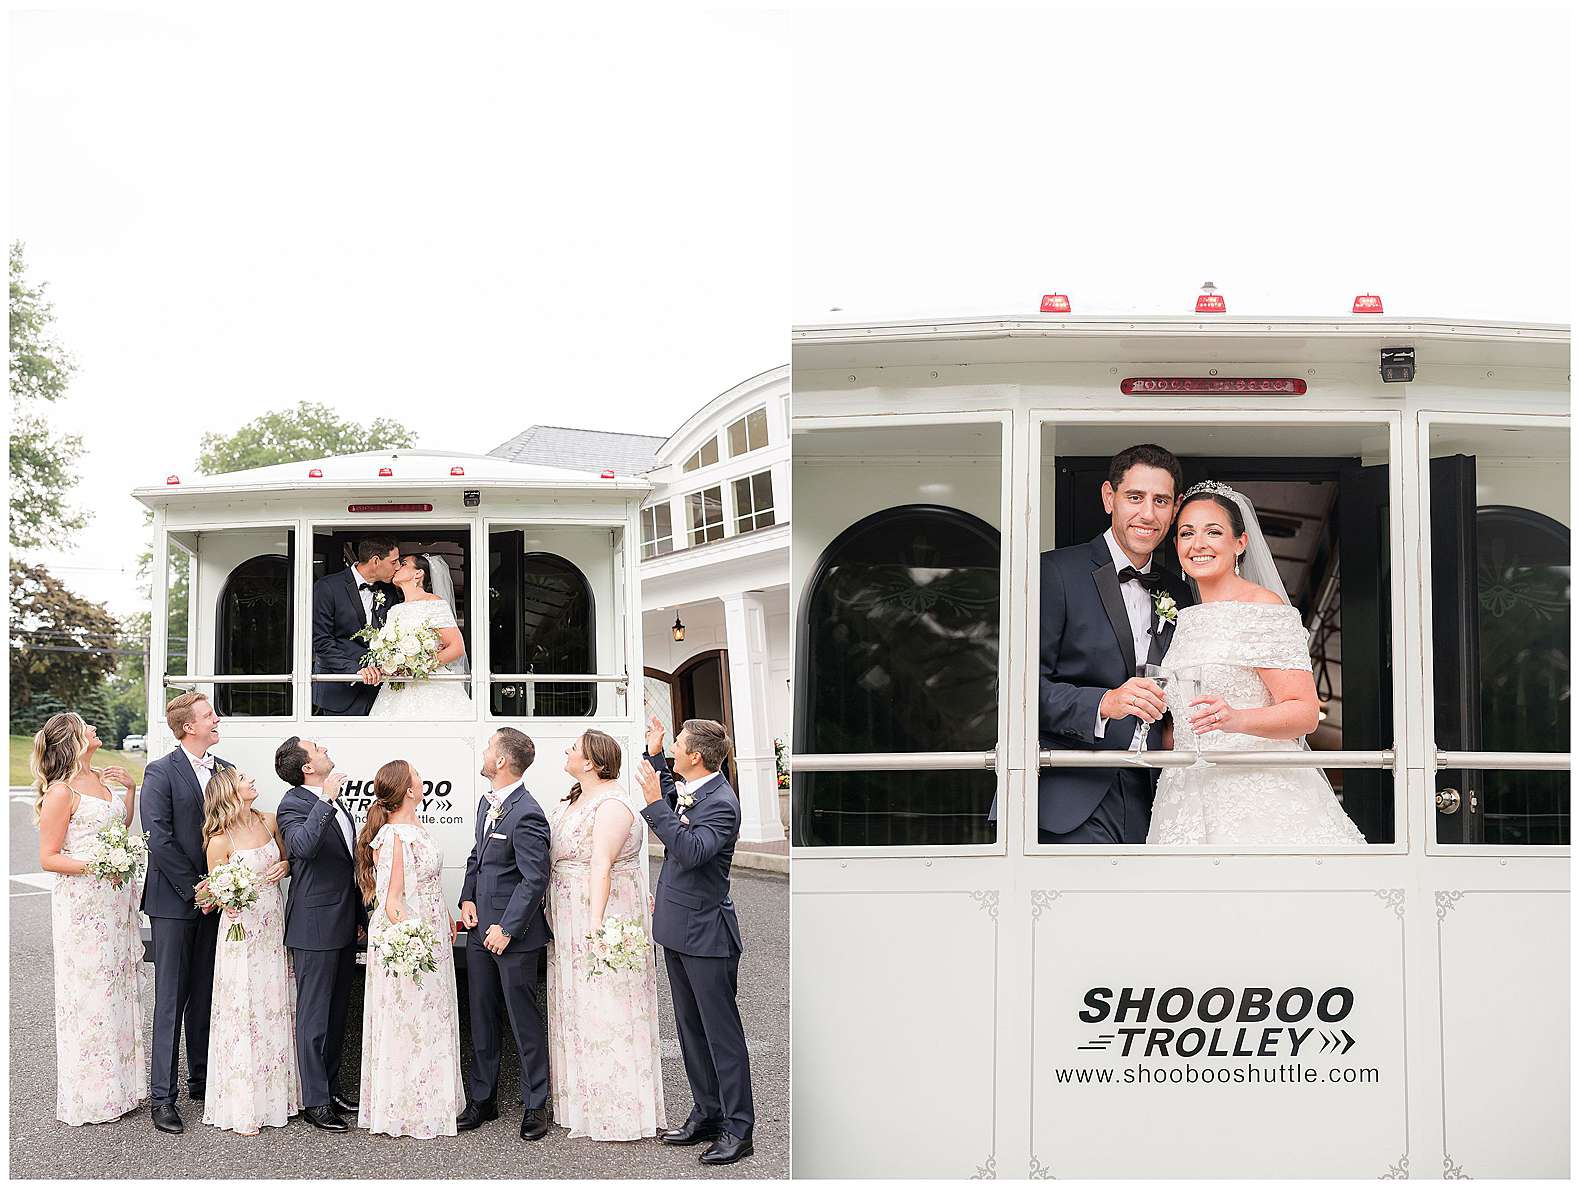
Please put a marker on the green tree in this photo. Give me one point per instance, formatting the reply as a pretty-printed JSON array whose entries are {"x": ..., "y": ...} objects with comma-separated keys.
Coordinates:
[
  {"x": 310, "y": 430},
  {"x": 61, "y": 644},
  {"x": 42, "y": 460}
]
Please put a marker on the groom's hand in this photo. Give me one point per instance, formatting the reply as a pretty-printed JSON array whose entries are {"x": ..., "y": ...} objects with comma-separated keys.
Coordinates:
[
  {"x": 372, "y": 675},
  {"x": 469, "y": 914},
  {"x": 1140, "y": 696}
]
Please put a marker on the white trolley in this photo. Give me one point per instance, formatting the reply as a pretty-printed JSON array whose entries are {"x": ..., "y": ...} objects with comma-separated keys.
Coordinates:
[
  {"x": 545, "y": 568},
  {"x": 969, "y": 1002}
]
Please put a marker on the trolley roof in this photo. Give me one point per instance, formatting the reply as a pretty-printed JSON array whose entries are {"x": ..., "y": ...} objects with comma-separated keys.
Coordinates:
[
  {"x": 409, "y": 469},
  {"x": 1062, "y": 338}
]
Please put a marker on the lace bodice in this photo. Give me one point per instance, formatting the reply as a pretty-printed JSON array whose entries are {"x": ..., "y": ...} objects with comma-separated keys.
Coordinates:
[
  {"x": 91, "y": 816},
  {"x": 1217, "y": 649}
]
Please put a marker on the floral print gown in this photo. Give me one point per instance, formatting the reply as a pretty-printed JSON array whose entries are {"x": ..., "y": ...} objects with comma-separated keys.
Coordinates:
[
  {"x": 411, "y": 1031},
  {"x": 603, "y": 1030},
  {"x": 252, "y": 1075},
  {"x": 100, "y": 1069}
]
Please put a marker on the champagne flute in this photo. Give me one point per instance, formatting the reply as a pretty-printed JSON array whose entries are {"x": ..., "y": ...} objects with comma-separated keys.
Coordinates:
[
  {"x": 1189, "y": 682},
  {"x": 1160, "y": 677}
]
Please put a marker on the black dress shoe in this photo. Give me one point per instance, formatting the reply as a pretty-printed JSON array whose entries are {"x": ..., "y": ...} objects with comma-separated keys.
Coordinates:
[
  {"x": 324, "y": 1118},
  {"x": 727, "y": 1149},
  {"x": 343, "y": 1104},
  {"x": 167, "y": 1118},
  {"x": 535, "y": 1122},
  {"x": 694, "y": 1131},
  {"x": 476, "y": 1114}
]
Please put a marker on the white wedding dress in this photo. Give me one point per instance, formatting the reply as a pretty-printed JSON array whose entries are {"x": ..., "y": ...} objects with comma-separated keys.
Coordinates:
[
  {"x": 425, "y": 699},
  {"x": 1222, "y": 645}
]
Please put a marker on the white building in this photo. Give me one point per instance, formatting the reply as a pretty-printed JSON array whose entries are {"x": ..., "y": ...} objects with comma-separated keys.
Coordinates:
[{"x": 715, "y": 562}]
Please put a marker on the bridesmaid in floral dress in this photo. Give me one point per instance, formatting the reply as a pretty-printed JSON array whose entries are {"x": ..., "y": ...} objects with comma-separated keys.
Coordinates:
[
  {"x": 100, "y": 1074},
  {"x": 603, "y": 1029},
  {"x": 252, "y": 1075},
  {"x": 411, "y": 1031}
]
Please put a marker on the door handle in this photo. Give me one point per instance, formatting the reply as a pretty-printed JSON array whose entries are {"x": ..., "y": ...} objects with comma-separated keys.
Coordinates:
[{"x": 1448, "y": 800}]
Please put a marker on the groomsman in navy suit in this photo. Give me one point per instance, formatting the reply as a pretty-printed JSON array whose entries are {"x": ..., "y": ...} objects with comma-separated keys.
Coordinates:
[
  {"x": 323, "y": 916},
  {"x": 184, "y": 935},
  {"x": 507, "y": 874},
  {"x": 345, "y": 602},
  {"x": 694, "y": 920}
]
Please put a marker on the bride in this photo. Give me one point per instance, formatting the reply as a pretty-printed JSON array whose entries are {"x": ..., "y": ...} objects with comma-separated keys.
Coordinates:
[
  {"x": 1240, "y": 681},
  {"x": 427, "y": 598}
]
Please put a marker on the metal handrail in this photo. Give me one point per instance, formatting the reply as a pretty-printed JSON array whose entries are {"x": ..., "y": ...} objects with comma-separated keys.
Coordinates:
[
  {"x": 540, "y": 678},
  {"x": 902, "y": 761},
  {"x": 1509, "y": 761},
  {"x": 354, "y": 678},
  {"x": 1051, "y": 758},
  {"x": 178, "y": 679}
]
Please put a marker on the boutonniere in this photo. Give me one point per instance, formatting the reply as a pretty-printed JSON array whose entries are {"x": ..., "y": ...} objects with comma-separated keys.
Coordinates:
[
  {"x": 1164, "y": 607},
  {"x": 378, "y": 599},
  {"x": 685, "y": 798}
]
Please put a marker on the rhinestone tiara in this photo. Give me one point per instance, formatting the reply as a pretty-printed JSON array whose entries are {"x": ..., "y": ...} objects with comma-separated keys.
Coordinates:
[{"x": 1211, "y": 486}]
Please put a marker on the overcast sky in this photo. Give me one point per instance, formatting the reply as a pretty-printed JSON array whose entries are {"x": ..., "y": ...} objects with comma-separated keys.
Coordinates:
[
  {"x": 968, "y": 162},
  {"x": 469, "y": 218}
]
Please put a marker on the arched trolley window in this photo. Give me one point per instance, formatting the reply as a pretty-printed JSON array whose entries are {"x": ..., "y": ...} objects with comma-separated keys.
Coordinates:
[
  {"x": 898, "y": 652},
  {"x": 541, "y": 620},
  {"x": 253, "y": 635}
]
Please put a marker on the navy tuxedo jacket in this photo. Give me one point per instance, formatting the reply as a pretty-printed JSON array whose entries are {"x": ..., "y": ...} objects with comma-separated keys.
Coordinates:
[
  {"x": 1086, "y": 649},
  {"x": 692, "y": 910},
  {"x": 324, "y": 906},
  {"x": 507, "y": 876},
  {"x": 171, "y": 809},
  {"x": 337, "y": 612}
]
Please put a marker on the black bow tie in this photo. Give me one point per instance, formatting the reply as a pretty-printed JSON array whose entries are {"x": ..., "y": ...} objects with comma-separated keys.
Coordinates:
[
  {"x": 1148, "y": 581},
  {"x": 364, "y": 586}
]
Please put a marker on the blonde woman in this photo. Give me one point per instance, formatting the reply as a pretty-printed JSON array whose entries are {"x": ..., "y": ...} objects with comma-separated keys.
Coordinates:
[
  {"x": 252, "y": 1079},
  {"x": 603, "y": 1029},
  {"x": 98, "y": 955}
]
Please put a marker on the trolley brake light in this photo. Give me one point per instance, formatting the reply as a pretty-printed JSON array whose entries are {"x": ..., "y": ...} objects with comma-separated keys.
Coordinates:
[
  {"x": 1055, "y": 303},
  {"x": 386, "y": 473},
  {"x": 1210, "y": 301},
  {"x": 1212, "y": 385},
  {"x": 1367, "y": 303}
]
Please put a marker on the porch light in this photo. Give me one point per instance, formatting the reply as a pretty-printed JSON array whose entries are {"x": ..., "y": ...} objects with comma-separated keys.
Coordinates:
[
  {"x": 1367, "y": 303},
  {"x": 1055, "y": 303},
  {"x": 386, "y": 473},
  {"x": 1210, "y": 301},
  {"x": 679, "y": 629}
]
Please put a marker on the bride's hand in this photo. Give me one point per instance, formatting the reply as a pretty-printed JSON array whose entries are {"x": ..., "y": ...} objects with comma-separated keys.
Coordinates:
[{"x": 1212, "y": 713}]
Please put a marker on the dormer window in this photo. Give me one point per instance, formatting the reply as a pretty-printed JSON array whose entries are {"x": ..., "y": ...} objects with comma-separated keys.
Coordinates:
[
  {"x": 707, "y": 454},
  {"x": 749, "y": 433}
]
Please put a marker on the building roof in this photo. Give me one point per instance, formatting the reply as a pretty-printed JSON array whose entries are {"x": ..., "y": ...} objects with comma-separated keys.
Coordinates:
[{"x": 581, "y": 449}]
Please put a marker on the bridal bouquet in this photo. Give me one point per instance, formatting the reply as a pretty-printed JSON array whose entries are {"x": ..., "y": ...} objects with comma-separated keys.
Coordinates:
[
  {"x": 408, "y": 650},
  {"x": 621, "y": 944},
  {"x": 406, "y": 949},
  {"x": 232, "y": 885},
  {"x": 117, "y": 854}
]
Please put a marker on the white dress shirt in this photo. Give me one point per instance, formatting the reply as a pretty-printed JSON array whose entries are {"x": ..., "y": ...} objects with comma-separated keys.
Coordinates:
[
  {"x": 365, "y": 595},
  {"x": 693, "y": 789},
  {"x": 201, "y": 771},
  {"x": 1138, "y": 607},
  {"x": 343, "y": 820}
]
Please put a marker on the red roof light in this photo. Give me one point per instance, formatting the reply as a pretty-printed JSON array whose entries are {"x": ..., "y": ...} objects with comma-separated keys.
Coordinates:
[
  {"x": 457, "y": 472},
  {"x": 607, "y": 475},
  {"x": 385, "y": 473},
  {"x": 1055, "y": 303},
  {"x": 172, "y": 480},
  {"x": 1211, "y": 385},
  {"x": 1367, "y": 303},
  {"x": 315, "y": 473},
  {"x": 1210, "y": 301}
]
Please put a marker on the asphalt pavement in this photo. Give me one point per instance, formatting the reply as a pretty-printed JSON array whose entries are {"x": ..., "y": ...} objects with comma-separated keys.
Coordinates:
[{"x": 41, "y": 1146}]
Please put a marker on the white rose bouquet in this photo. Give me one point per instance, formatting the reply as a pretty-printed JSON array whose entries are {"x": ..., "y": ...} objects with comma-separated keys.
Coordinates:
[
  {"x": 117, "y": 854},
  {"x": 408, "y": 650},
  {"x": 232, "y": 885},
  {"x": 406, "y": 949},
  {"x": 621, "y": 944}
]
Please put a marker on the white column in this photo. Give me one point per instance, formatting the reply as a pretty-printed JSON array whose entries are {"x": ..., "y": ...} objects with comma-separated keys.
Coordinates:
[{"x": 746, "y": 637}]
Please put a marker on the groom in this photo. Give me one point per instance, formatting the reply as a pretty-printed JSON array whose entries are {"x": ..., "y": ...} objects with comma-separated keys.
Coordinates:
[
  {"x": 345, "y": 602},
  {"x": 507, "y": 874},
  {"x": 694, "y": 920},
  {"x": 1100, "y": 620}
]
